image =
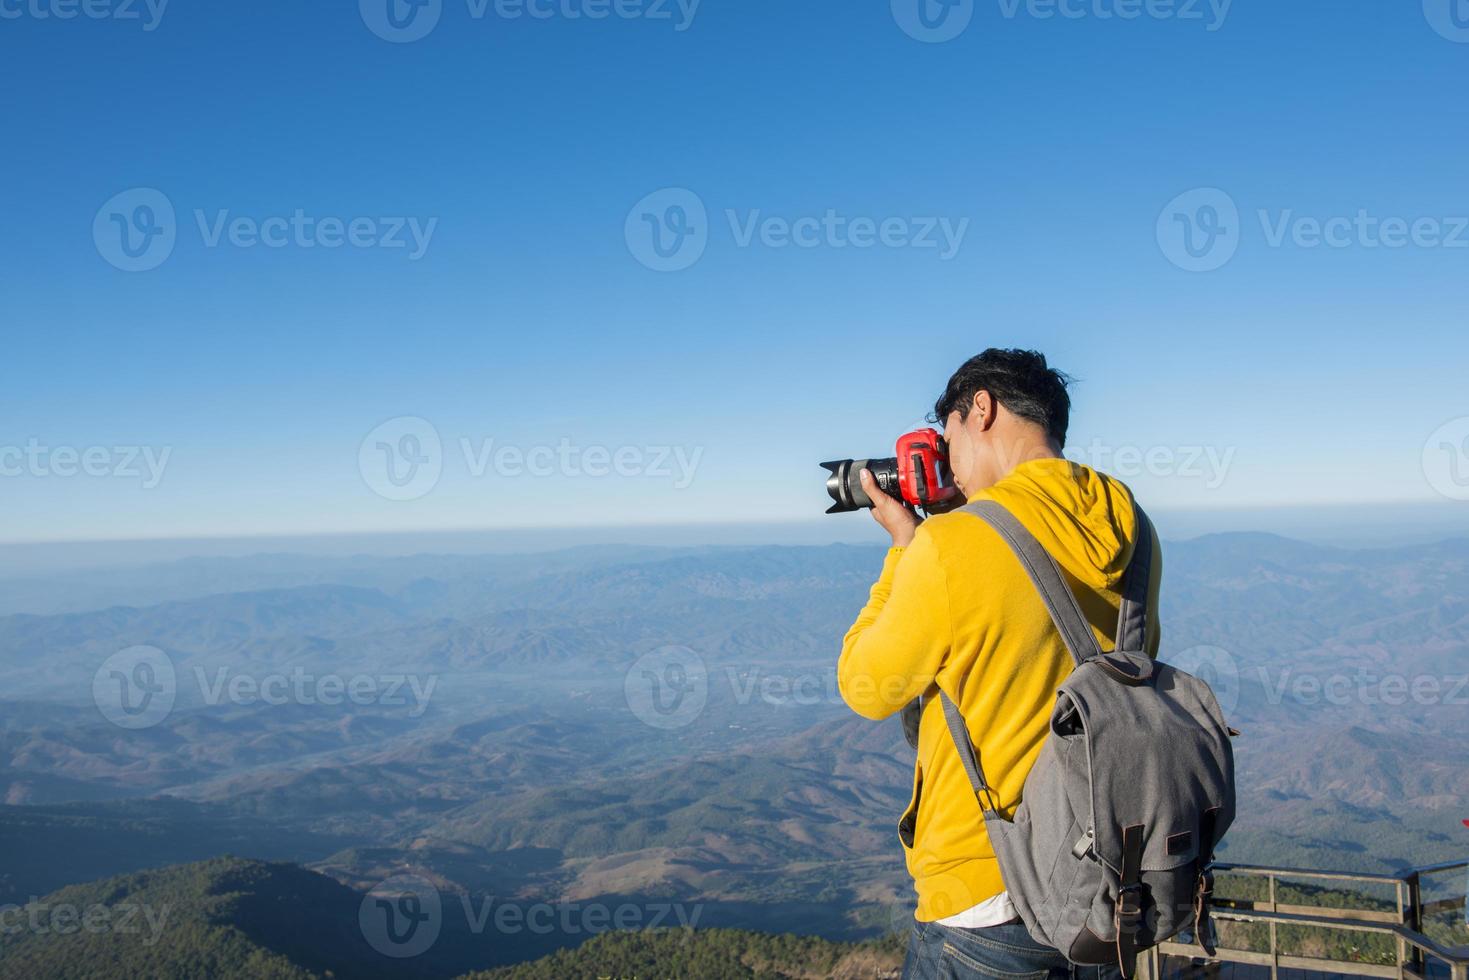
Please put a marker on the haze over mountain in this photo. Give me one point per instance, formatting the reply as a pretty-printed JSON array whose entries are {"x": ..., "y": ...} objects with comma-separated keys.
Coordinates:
[{"x": 649, "y": 727}]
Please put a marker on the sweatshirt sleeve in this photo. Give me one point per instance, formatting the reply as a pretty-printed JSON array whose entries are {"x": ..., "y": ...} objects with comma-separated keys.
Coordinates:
[{"x": 902, "y": 636}]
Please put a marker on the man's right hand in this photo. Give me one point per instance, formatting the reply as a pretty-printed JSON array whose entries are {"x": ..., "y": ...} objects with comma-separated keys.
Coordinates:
[{"x": 896, "y": 517}]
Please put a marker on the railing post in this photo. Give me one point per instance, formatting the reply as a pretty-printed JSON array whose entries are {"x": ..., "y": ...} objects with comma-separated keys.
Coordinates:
[
  {"x": 1150, "y": 963},
  {"x": 1274, "y": 933},
  {"x": 1405, "y": 917},
  {"x": 1415, "y": 921}
]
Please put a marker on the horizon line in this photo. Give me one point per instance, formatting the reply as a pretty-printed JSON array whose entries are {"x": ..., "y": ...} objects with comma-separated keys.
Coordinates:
[{"x": 1315, "y": 507}]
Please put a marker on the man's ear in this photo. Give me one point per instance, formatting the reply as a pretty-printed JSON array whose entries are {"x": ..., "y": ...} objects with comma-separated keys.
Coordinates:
[{"x": 983, "y": 410}]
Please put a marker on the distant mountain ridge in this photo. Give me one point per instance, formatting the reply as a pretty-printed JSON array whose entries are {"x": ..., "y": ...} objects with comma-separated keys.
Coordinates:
[{"x": 530, "y": 775}]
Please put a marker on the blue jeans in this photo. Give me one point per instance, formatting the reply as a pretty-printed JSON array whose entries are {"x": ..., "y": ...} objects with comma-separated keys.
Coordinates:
[{"x": 1005, "y": 952}]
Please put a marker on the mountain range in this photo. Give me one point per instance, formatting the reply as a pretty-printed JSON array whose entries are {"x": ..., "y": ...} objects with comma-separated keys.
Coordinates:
[{"x": 513, "y": 740}]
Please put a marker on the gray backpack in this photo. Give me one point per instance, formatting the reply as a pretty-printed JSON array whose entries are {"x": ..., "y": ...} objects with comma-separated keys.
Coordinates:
[{"x": 1111, "y": 849}]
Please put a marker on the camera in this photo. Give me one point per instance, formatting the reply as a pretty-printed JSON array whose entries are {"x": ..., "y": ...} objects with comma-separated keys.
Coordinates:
[{"x": 918, "y": 475}]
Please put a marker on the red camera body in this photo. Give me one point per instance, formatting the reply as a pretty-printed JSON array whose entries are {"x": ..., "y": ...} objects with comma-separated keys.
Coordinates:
[{"x": 923, "y": 469}]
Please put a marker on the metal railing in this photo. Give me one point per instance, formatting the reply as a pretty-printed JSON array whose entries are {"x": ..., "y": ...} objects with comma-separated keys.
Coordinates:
[{"x": 1418, "y": 956}]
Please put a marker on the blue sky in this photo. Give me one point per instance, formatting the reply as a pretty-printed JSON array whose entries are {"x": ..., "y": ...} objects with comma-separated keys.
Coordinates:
[{"x": 1066, "y": 156}]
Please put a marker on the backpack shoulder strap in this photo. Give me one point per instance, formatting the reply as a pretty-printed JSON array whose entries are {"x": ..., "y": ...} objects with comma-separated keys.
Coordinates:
[
  {"x": 1065, "y": 612},
  {"x": 968, "y": 755},
  {"x": 1137, "y": 582},
  {"x": 1046, "y": 575}
]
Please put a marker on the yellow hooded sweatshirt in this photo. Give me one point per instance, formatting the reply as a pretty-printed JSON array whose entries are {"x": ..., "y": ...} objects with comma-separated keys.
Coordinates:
[{"x": 955, "y": 609}]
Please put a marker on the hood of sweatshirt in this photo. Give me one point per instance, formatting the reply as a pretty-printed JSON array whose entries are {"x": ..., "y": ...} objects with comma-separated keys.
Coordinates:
[{"x": 1085, "y": 519}]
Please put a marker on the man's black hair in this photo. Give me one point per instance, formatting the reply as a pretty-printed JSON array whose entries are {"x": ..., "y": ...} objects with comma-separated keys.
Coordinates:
[{"x": 1018, "y": 379}]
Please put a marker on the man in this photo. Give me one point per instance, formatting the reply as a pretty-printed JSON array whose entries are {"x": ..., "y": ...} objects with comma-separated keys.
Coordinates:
[{"x": 953, "y": 610}]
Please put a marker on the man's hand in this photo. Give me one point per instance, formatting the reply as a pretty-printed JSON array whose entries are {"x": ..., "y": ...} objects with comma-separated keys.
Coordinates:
[{"x": 897, "y": 518}]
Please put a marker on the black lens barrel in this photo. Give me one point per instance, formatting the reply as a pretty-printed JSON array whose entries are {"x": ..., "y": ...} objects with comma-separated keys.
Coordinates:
[{"x": 844, "y": 485}]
